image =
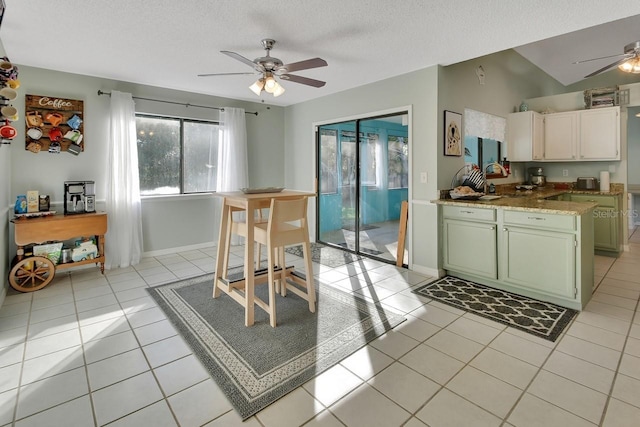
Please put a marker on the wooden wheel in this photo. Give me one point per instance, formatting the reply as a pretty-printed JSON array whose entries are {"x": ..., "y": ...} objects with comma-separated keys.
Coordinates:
[{"x": 32, "y": 273}]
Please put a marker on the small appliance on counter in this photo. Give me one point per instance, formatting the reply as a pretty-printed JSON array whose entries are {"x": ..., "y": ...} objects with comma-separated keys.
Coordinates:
[
  {"x": 536, "y": 177},
  {"x": 79, "y": 197},
  {"x": 587, "y": 183}
]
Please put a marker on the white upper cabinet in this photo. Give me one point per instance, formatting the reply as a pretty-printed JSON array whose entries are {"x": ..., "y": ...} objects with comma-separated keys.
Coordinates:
[
  {"x": 525, "y": 136},
  {"x": 600, "y": 134},
  {"x": 584, "y": 135},
  {"x": 561, "y": 136}
]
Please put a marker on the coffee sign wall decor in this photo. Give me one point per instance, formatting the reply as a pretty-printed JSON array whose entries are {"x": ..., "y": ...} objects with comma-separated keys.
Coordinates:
[{"x": 54, "y": 124}]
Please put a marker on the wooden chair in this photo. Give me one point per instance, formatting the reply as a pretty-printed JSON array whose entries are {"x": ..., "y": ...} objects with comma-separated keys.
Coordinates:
[
  {"x": 239, "y": 228},
  {"x": 287, "y": 225}
]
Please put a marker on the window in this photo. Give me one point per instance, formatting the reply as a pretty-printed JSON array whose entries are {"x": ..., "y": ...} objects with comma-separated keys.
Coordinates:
[
  {"x": 348, "y": 158},
  {"x": 328, "y": 161},
  {"x": 176, "y": 156},
  {"x": 482, "y": 152},
  {"x": 369, "y": 159},
  {"x": 398, "y": 150}
]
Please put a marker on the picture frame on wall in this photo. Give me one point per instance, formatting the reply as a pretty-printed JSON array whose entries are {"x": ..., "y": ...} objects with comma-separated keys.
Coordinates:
[{"x": 452, "y": 133}]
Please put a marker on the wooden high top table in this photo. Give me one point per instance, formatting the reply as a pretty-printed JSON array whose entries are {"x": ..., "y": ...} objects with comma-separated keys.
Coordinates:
[{"x": 239, "y": 201}]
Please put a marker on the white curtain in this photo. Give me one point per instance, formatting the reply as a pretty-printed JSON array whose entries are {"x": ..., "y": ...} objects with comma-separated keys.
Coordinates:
[
  {"x": 232, "y": 173},
  {"x": 232, "y": 151},
  {"x": 123, "y": 242}
]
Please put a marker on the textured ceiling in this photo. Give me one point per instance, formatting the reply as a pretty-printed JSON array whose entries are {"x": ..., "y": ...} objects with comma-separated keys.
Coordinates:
[{"x": 167, "y": 43}]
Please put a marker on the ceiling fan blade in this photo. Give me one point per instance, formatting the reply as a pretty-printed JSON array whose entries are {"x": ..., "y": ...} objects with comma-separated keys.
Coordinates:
[
  {"x": 303, "y": 80},
  {"x": 222, "y": 74},
  {"x": 242, "y": 59},
  {"x": 302, "y": 65},
  {"x": 605, "y": 68},
  {"x": 627, "y": 55}
]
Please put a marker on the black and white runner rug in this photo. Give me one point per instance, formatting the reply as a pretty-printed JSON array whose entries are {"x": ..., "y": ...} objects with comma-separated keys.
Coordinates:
[{"x": 536, "y": 317}]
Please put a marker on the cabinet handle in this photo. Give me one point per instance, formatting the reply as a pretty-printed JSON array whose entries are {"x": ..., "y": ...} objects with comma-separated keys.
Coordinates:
[
  {"x": 537, "y": 218},
  {"x": 467, "y": 212},
  {"x": 505, "y": 229},
  {"x": 492, "y": 228}
]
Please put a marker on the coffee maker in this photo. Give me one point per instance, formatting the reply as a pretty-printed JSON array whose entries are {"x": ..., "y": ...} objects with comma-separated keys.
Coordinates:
[{"x": 79, "y": 197}]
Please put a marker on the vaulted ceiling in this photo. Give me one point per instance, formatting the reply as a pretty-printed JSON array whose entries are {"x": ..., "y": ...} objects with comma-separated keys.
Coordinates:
[{"x": 167, "y": 43}]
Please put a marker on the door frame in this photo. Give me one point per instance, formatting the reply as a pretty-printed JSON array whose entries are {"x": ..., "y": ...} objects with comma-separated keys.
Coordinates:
[{"x": 407, "y": 109}]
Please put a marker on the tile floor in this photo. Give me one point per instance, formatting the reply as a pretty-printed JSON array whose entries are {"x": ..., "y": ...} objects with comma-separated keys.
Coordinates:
[{"x": 93, "y": 350}]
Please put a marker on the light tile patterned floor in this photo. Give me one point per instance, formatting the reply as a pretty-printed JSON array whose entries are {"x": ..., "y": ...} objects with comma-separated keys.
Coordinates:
[{"x": 92, "y": 350}]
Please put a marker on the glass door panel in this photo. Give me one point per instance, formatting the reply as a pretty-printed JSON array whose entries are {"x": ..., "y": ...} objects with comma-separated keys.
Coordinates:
[
  {"x": 384, "y": 184},
  {"x": 337, "y": 183},
  {"x": 363, "y": 179}
]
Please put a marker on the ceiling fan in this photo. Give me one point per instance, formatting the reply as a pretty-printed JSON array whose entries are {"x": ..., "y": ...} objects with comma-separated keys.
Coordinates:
[
  {"x": 270, "y": 67},
  {"x": 629, "y": 61}
]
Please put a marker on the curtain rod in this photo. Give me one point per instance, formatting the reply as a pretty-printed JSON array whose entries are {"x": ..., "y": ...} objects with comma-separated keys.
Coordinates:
[{"x": 176, "y": 103}]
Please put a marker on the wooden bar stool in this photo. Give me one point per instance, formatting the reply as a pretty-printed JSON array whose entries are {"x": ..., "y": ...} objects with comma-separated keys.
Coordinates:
[{"x": 287, "y": 225}]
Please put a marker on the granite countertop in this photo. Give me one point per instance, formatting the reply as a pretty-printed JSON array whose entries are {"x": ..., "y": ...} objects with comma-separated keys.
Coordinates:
[
  {"x": 527, "y": 204},
  {"x": 534, "y": 200}
]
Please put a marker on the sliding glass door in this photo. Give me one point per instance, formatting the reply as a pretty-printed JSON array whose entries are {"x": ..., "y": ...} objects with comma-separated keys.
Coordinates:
[{"x": 363, "y": 179}]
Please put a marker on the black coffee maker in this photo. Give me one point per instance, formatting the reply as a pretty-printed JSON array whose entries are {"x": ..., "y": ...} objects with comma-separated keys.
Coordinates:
[{"x": 79, "y": 197}]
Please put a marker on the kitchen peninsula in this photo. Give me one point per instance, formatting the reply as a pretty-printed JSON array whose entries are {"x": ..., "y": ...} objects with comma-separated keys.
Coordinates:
[{"x": 524, "y": 242}]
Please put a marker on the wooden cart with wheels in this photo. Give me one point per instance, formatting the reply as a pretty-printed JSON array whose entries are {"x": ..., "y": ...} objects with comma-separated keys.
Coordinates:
[{"x": 30, "y": 273}]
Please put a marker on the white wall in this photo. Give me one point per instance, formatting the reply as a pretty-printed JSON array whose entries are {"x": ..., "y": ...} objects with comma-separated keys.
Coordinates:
[
  {"x": 418, "y": 90},
  {"x": 168, "y": 222},
  {"x": 633, "y": 145}
]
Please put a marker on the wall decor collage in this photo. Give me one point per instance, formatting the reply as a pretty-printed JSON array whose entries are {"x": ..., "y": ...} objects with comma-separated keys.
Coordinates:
[
  {"x": 54, "y": 124},
  {"x": 8, "y": 84}
]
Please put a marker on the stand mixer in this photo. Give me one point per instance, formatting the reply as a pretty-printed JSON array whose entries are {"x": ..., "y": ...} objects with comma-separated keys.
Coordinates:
[{"x": 536, "y": 177}]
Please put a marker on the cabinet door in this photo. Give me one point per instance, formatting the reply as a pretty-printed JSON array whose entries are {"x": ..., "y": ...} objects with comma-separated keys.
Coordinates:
[
  {"x": 606, "y": 220},
  {"x": 525, "y": 136},
  {"x": 538, "y": 137},
  {"x": 541, "y": 261},
  {"x": 470, "y": 247},
  {"x": 605, "y": 228},
  {"x": 561, "y": 136},
  {"x": 600, "y": 134}
]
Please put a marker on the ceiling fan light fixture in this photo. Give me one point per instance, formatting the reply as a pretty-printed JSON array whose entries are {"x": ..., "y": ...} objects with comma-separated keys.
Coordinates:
[
  {"x": 270, "y": 83},
  {"x": 257, "y": 86},
  {"x": 631, "y": 66},
  {"x": 279, "y": 90}
]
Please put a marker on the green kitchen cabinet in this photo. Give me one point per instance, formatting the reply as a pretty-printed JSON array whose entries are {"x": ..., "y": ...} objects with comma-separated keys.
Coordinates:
[
  {"x": 606, "y": 221},
  {"x": 470, "y": 247},
  {"x": 531, "y": 252},
  {"x": 540, "y": 260},
  {"x": 469, "y": 242}
]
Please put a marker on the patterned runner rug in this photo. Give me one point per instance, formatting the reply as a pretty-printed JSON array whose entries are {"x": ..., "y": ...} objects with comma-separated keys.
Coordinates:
[
  {"x": 538, "y": 318},
  {"x": 257, "y": 365}
]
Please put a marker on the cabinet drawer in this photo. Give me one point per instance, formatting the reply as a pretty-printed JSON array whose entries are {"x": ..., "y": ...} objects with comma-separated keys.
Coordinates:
[
  {"x": 604, "y": 201},
  {"x": 465, "y": 212},
  {"x": 540, "y": 220}
]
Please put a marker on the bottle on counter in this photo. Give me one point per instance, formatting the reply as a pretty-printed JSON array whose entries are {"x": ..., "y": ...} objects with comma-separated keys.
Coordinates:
[{"x": 506, "y": 165}]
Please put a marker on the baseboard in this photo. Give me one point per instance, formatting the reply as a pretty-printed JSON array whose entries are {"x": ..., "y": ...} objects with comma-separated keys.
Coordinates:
[
  {"x": 428, "y": 271},
  {"x": 169, "y": 251}
]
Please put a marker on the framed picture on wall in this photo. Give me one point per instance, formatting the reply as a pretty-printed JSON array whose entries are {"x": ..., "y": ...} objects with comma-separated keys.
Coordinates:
[{"x": 452, "y": 133}]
